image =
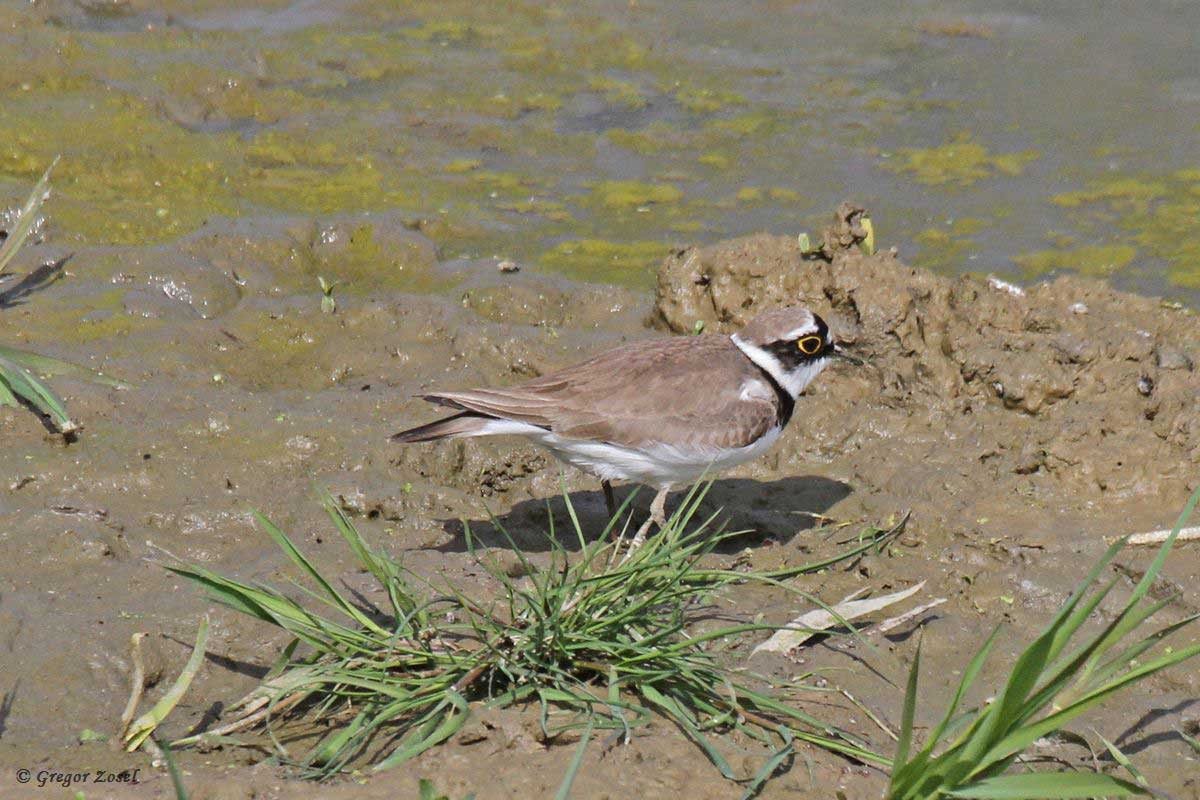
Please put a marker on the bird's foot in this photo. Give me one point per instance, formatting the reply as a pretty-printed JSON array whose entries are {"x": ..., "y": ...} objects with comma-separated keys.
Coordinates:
[
  {"x": 658, "y": 516},
  {"x": 640, "y": 537}
]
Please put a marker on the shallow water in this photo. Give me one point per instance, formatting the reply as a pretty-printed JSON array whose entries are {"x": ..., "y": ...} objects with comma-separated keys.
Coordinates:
[{"x": 1006, "y": 137}]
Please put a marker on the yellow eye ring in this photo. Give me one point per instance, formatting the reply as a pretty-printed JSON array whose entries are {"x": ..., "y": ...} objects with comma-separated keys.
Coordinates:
[{"x": 810, "y": 345}]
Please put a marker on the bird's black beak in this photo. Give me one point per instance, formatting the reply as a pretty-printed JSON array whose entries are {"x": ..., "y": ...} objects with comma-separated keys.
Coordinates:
[{"x": 839, "y": 351}]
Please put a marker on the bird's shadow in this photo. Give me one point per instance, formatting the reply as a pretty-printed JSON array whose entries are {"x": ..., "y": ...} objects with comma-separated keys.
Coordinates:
[{"x": 763, "y": 509}]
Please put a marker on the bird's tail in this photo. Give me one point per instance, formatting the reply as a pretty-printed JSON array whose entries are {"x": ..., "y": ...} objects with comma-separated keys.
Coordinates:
[{"x": 464, "y": 424}]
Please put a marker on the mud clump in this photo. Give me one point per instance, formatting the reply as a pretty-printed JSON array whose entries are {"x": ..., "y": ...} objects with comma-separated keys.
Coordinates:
[{"x": 1066, "y": 386}]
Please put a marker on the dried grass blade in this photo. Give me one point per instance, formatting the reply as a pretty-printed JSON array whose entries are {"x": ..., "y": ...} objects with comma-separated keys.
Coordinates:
[{"x": 812, "y": 622}]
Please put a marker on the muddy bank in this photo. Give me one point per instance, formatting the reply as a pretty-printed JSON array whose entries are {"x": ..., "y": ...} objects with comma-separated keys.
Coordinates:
[
  {"x": 1063, "y": 392},
  {"x": 1020, "y": 429}
]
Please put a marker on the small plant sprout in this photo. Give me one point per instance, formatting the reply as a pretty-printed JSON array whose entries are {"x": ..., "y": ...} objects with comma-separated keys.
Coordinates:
[
  {"x": 328, "y": 303},
  {"x": 867, "y": 245},
  {"x": 136, "y": 732}
]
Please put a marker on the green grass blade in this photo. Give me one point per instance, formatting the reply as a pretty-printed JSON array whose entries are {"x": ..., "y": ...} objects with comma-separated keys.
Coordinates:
[
  {"x": 1106, "y": 670},
  {"x": 680, "y": 717},
  {"x": 173, "y": 769},
  {"x": 1143, "y": 586},
  {"x": 281, "y": 663},
  {"x": 46, "y": 365},
  {"x": 21, "y": 381},
  {"x": 570, "y": 513},
  {"x": 773, "y": 763},
  {"x": 1048, "y": 786},
  {"x": 339, "y": 741},
  {"x": 270, "y": 607},
  {"x": 285, "y": 544},
  {"x": 7, "y": 398},
  {"x": 1029, "y": 667},
  {"x": 449, "y": 726},
  {"x": 969, "y": 675},
  {"x": 24, "y": 224},
  {"x": 350, "y": 534},
  {"x": 905, "y": 772},
  {"x": 1124, "y": 761},
  {"x": 564, "y": 788},
  {"x": 1021, "y": 738},
  {"x": 910, "y": 708}
]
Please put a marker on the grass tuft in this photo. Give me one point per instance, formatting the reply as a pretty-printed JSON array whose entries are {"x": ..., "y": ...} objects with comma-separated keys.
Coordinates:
[
  {"x": 1052, "y": 682},
  {"x": 599, "y": 641}
]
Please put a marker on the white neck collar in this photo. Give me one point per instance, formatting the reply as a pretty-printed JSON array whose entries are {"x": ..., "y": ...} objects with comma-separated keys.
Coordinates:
[{"x": 793, "y": 382}]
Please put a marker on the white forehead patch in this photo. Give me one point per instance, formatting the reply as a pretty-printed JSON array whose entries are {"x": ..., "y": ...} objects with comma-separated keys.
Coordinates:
[
  {"x": 796, "y": 333},
  {"x": 808, "y": 325}
]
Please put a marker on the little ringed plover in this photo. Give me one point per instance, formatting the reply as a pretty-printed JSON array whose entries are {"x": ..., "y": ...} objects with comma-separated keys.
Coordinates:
[{"x": 660, "y": 412}]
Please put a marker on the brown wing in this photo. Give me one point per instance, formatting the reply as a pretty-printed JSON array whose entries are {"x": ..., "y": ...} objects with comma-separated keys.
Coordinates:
[{"x": 684, "y": 391}]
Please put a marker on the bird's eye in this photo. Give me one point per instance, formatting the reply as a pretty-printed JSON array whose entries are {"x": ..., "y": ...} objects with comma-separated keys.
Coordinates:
[{"x": 810, "y": 345}]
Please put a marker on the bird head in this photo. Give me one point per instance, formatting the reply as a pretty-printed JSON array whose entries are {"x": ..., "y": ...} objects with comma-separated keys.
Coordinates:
[{"x": 792, "y": 344}]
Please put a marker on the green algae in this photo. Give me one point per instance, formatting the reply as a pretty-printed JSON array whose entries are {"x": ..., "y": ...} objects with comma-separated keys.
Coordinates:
[
  {"x": 656, "y": 138},
  {"x": 207, "y": 97},
  {"x": 619, "y": 93},
  {"x": 946, "y": 247},
  {"x": 507, "y": 182},
  {"x": 99, "y": 316},
  {"x": 368, "y": 262},
  {"x": 959, "y": 162},
  {"x": 312, "y": 190},
  {"x": 322, "y": 120},
  {"x": 449, "y": 31},
  {"x": 277, "y": 148},
  {"x": 154, "y": 181},
  {"x": 624, "y": 263},
  {"x": 751, "y": 123},
  {"x": 540, "y": 101},
  {"x": 689, "y": 226},
  {"x": 1124, "y": 194},
  {"x": 630, "y": 195},
  {"x": 106, "y": 325},
  {"x": 705, "y": 100},
  {"x": 548, "y": 209},
  {"x": 278, "y": 348},
  {"x": 1094, "y": 260},
  {"x": 716, "y": 160},
  {"x": 1172, "y": 232},
  {"x": 462, "y": 165},
  {"x": 759, "y": 194},
  {"x": 1161, "y": 215}
]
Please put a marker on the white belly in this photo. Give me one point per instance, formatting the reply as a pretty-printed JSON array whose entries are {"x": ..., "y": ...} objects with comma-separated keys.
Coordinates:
[{"x": 659, "y": 466}]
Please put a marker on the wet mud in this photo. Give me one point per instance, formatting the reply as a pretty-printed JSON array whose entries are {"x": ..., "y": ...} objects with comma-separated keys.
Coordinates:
[{"x": 1022, "y": 428}]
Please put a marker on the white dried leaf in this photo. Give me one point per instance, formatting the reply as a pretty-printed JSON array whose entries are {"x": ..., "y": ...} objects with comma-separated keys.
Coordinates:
[{"x": 804, "y": 626}]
